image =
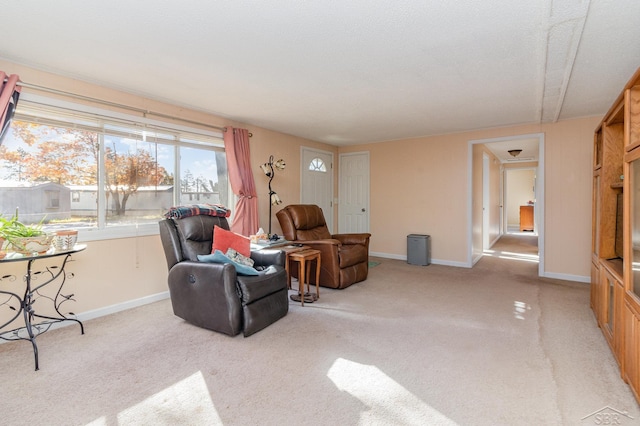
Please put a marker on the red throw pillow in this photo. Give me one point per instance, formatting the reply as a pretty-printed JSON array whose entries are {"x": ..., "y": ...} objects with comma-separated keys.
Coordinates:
[{"x": 223, "y": 239}]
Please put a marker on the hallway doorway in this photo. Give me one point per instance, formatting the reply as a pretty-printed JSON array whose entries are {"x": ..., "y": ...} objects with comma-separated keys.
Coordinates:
[{"x": 504, "y": 153}]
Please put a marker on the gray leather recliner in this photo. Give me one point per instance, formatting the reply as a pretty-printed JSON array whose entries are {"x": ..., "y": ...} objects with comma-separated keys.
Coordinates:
[{"x": 212, "y": 295}]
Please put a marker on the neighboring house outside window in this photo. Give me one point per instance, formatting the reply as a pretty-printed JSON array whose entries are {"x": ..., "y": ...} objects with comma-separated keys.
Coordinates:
[{"x": 53, "y": 199}]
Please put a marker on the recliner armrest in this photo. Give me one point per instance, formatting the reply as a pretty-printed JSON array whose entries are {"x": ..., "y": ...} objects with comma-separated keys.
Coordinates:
[
  {"x": 189, "y": 272},
  {"x": 268, "y": 257},
  {"x": 325, "y": 242},
  {"x": 255, "y": 287},
  {"x": 352, "y": 238}
]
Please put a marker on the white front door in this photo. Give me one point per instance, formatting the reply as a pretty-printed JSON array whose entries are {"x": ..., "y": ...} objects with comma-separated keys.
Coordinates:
[
  {"x": 317, "y": 181},
  {"x": 353, "y": 216}
]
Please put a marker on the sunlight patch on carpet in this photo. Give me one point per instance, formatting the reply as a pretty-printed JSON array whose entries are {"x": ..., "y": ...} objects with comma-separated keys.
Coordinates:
[
  {"x": 387, "y": 401},
  {"x": 534, "y": 258},
  {"x": 187, "y": 399},
  {"x": 373, "y": 264}
]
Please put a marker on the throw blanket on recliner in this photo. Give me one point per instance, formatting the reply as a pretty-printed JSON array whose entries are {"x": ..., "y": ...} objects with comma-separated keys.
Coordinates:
[{"x": 180, "y": 212}]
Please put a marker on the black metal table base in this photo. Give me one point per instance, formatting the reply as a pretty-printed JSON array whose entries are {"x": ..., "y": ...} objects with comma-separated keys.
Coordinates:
[{"x": 34, "y": 323}]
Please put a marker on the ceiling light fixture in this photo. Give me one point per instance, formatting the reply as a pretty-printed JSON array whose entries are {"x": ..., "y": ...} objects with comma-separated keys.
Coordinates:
[{"x": 514, "y": 152}]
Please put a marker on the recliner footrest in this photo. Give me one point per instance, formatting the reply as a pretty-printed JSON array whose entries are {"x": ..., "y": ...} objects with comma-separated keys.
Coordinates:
[
  {"x": 255, "y": 287},
  {"x": 264, "y": 312}
]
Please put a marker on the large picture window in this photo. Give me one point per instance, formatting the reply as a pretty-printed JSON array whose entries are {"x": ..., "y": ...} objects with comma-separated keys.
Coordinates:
[{"x": 95, "y": 173}]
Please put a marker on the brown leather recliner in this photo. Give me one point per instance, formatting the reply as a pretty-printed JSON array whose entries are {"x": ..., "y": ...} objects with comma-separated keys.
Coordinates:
[
  {"x": 213, "y": 295},
  {"x": 344, "y": 258}
]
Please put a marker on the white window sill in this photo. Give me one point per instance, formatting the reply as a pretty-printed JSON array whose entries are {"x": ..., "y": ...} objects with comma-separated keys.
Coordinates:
[{"x": 115, "y": 232}]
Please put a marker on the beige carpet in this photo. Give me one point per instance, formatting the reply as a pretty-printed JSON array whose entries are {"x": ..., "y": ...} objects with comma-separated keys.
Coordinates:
[{"x": 413, "y": 345}]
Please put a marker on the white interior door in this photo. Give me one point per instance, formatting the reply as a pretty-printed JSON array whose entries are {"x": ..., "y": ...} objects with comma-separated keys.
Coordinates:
[
  {"x": 316, "y": 176},
  {"x": 486, "y": 201},
  {"x": 353, "y": 209}
]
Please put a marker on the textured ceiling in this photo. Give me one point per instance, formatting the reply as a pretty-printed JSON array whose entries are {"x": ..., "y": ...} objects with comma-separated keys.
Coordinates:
[{"x": 343, "y": 72}]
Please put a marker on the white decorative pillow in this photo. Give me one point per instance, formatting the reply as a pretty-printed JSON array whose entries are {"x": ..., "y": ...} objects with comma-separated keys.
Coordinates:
[
  {"x": 239, "y": 258},
  {"x": 219, "y": 257}
]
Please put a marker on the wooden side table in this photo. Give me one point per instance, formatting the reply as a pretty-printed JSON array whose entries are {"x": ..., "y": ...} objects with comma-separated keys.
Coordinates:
[
  {"x": 302, "y": 257},
  {"x": 288, "y": 250}
]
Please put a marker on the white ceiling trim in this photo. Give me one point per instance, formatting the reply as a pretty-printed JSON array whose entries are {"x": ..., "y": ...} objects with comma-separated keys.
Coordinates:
[{"x": 566, "y": 25}]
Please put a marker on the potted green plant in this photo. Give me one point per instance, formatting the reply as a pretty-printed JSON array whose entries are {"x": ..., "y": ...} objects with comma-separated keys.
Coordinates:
[{"x": 21, "y": 238}]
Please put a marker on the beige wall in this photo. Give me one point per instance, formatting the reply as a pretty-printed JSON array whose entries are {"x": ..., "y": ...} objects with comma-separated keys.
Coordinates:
[
  {"x": 108, "y": 273},
  {"x": 477, "y": 225},
  {"x": 434, "y": 171},
  {"x": 568, "y": 174},
  {"x": 418, "y": 185}
]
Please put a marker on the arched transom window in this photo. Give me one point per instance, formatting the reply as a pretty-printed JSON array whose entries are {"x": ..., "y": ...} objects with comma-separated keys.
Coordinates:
[{"x": 317, "y": 165}]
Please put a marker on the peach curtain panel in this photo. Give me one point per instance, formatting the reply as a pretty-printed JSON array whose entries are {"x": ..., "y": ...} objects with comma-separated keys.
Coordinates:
[
  {"x": 9, "y": 93},
  {"x": 236, "y": 145}
]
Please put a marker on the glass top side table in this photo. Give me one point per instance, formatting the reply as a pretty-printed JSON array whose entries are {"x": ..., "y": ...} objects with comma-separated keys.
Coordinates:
[{"x": 53, "y": 273}]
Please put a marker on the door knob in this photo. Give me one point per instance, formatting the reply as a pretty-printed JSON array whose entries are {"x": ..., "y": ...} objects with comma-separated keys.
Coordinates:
[{"x": 363, "y": 210}]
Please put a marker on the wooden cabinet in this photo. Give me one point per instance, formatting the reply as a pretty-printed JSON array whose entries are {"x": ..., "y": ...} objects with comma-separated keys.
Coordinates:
[
  {"x": 595, "y": 282},
  {"x": 611, "y": 298},
  {"x": 631, "y": 366},
  {"x": 615, "y": 286},
  {"x": 526, "y": 218}
]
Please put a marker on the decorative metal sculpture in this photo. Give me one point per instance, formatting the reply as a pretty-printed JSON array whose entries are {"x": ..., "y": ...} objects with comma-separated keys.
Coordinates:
[{"x": 269, "y": 170}]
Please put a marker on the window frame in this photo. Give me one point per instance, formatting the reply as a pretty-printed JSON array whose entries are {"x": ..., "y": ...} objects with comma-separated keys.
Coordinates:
[{"x": 204, "y": 139}]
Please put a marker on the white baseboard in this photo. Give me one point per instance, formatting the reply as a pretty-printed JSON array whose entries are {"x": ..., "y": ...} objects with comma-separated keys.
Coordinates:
[
  {"x": 433, "y": 261},
  {"x": 108, "y": 310},
  {"x": 449, "y": 263},
  {"x": 129, "y": 304},
  {"x": 568, "y": 277},
  {"x": 388, "y": 256}
]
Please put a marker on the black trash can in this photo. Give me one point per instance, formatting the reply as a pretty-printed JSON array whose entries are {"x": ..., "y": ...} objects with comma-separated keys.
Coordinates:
[{"x": 419, "y": 249}]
